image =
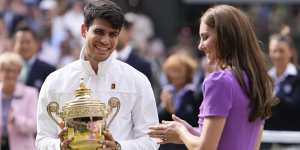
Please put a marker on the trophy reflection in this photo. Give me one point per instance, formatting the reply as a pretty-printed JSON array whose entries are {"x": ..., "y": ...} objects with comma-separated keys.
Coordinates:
[{"x": 85, "y": 117}]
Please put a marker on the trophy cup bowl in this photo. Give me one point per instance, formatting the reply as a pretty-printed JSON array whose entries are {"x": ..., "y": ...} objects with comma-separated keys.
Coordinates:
[{"x": 85, "y": 118}]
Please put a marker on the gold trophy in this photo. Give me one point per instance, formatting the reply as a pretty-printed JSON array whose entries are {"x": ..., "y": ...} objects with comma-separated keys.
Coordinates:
[{"x": 85, "y": 118}]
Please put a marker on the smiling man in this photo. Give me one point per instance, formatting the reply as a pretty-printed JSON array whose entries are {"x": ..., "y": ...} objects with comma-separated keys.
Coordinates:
[{"x": 107, "y": 77}]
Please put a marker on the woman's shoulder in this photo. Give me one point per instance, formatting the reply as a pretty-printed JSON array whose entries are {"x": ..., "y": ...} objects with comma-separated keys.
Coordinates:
[
  {"x": 221, "y": 76},
  {"x": 222, "y": 81}
]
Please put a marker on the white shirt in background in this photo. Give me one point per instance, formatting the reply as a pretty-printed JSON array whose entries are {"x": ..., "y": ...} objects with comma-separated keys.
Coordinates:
[
  {"x": 290, "y": 70},
  {"x": 124, "y": 53}
]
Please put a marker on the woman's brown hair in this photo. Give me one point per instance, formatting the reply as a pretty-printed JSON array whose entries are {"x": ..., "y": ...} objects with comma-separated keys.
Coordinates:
[{"x": 239, "y": 49}]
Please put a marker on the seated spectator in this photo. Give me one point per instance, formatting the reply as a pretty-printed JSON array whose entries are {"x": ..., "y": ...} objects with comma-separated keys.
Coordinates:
[
  {"x": 177, "y": 97},
  {"x": 18, "y": 104}
]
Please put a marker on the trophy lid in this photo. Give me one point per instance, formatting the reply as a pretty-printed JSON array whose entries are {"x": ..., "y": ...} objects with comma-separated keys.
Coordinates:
[{"x": 83, "y": 105}]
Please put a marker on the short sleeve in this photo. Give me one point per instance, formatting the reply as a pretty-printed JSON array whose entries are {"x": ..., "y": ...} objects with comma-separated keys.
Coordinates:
[{"x": 217, "y": 95}]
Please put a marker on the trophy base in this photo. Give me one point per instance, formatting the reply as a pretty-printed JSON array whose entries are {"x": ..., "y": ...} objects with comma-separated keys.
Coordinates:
[{"x": 86, "y": 145}]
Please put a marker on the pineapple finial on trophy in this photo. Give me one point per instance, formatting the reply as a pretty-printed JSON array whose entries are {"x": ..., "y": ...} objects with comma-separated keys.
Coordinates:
[{"x": 82, "y": 91}]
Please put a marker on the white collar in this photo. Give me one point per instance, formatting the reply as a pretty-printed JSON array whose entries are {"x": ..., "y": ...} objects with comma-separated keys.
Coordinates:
[
  {"x": 290, "y": 70},
  {"x": 124, "y": 53},
  {"x": 114, "y": 54},
  {"x": 102, "y": 66}
]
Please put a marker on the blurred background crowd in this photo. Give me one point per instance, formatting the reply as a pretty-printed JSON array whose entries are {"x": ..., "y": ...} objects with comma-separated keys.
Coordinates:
[{"x": 159, "y": 38}]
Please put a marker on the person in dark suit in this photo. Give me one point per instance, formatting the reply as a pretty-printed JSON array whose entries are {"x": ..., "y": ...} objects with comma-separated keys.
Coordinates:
[
  {"x": 286, "y": 76},
  {"x": 178, "y": 97},
  {"x": 128, "y": 54},
  {"x": 34, "y": 71}
]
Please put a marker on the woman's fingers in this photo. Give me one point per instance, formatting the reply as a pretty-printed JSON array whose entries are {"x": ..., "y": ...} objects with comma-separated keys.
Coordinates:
[
  {"x": 166, "y": 122},
  {"x": 175, "y": 118},
  {"x": 182, "y": 122},
  {"x": 158, "y": 127}
]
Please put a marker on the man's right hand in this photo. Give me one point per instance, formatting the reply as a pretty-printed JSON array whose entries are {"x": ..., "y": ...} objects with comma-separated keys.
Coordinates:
[{"x": 64, "y": 143}]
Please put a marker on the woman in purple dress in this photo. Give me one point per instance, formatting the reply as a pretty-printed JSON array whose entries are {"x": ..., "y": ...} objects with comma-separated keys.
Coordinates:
[{"x": 238, "y": 93}]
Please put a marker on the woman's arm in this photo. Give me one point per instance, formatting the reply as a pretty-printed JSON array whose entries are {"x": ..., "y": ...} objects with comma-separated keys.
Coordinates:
[
  {"x": 192, "y": 130},
  {"x": 259, "y": 137},
  {"x": 210, "y": 135}
]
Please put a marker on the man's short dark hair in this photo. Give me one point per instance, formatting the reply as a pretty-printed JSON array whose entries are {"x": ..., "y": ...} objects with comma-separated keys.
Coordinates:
[
  {"x": 26, "y": 28},
  {"x": 103, "y": 9}
]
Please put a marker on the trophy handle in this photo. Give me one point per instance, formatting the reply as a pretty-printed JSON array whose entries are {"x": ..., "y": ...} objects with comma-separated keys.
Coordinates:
[
  {"x": 113, "y": 102},
  {"x": 53, "y": 107}
]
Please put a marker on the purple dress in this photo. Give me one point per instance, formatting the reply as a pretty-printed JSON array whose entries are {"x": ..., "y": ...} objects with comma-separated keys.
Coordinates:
[{"x": 223, "y": 96}]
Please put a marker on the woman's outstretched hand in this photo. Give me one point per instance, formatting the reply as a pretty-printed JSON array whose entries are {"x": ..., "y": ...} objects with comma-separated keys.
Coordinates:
[{"x": 169, "y": 131}]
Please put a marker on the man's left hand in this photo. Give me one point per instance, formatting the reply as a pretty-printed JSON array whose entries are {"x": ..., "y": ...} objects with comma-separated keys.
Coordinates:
[{"x": 109, "y": 143}]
